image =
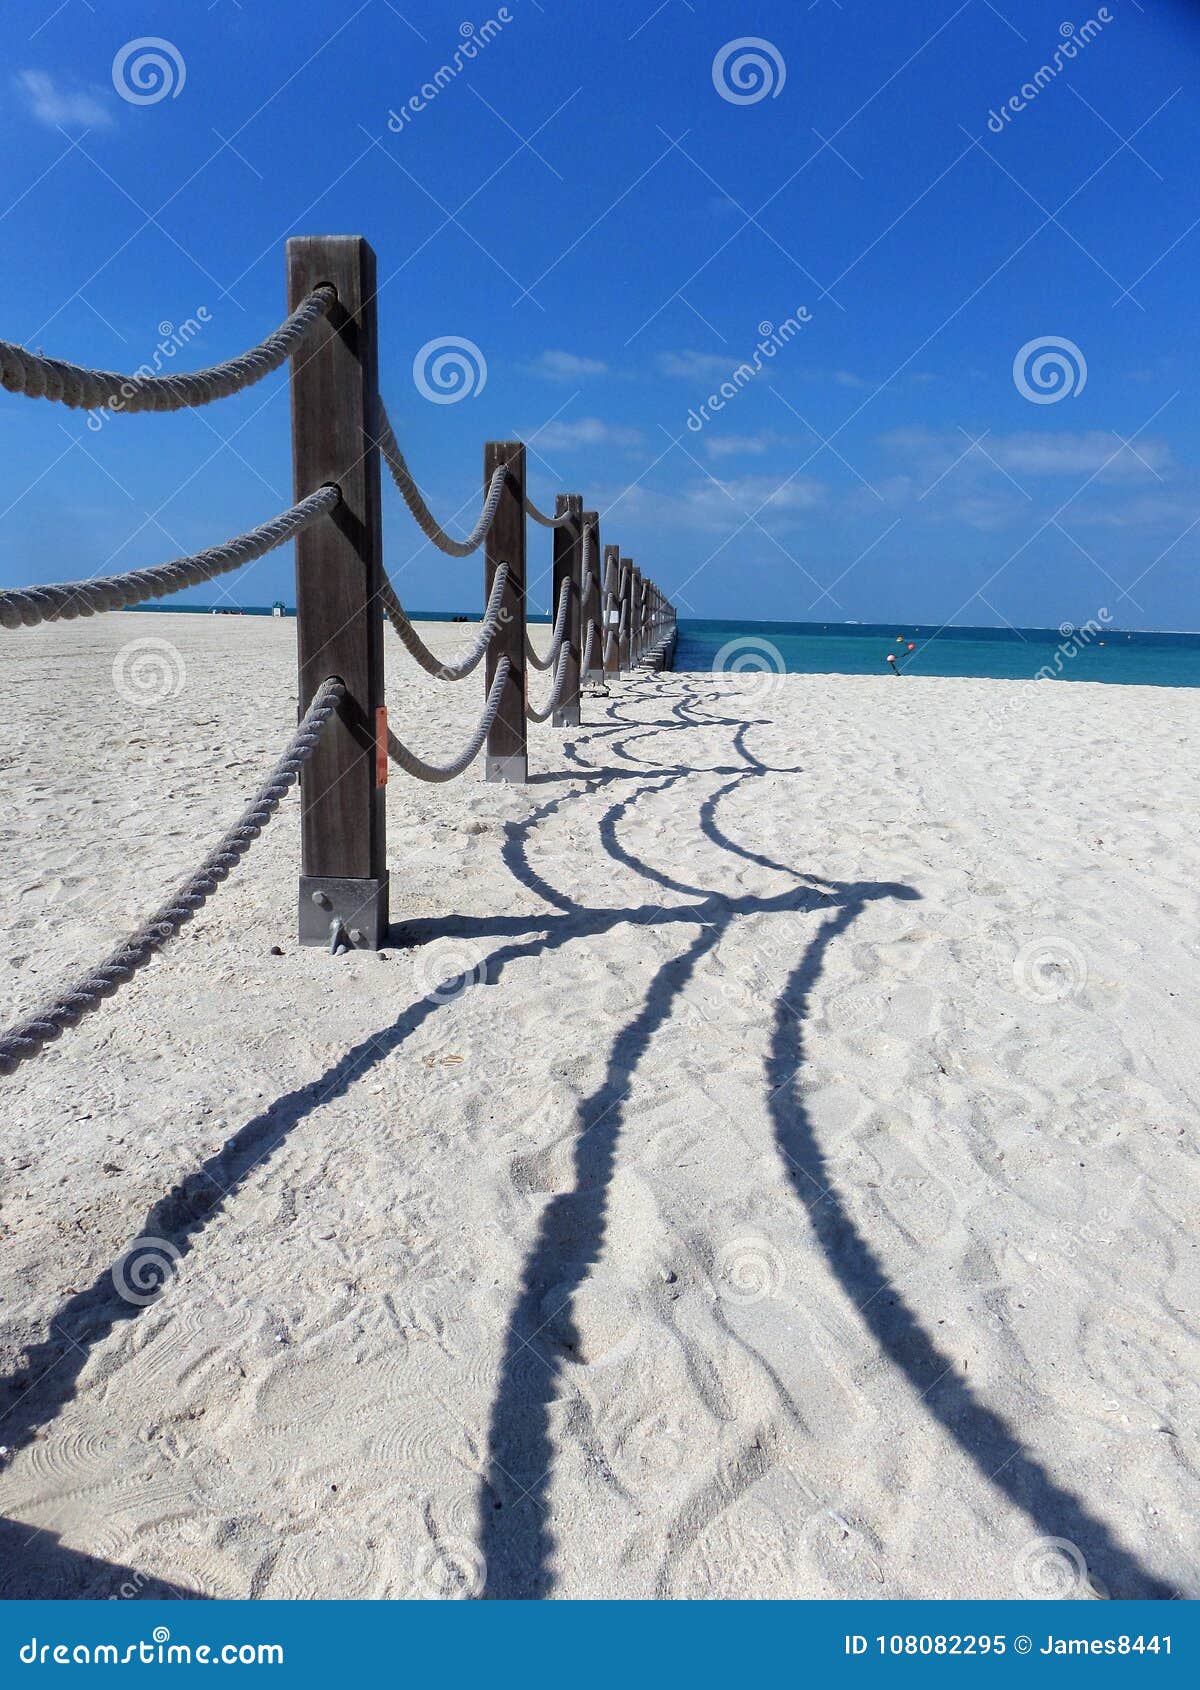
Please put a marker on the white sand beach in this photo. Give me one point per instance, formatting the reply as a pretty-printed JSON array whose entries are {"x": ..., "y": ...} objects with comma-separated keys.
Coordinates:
[{"x": 762, "y": 1165}]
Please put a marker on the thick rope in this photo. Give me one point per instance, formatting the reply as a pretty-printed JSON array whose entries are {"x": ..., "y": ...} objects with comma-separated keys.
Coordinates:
[
  {"x": 453, "y": 668},
  {"x": 62, "y": 600},
  {"x": 558, "y": 632},
  {"x": 27, "y": 1037},
  {"x": 50, "y": 378},
  {"x": 589, "y": 646},
  {"x": 556, "y": 693},
  {"x": 421, "y": 770},
  {"x": 549, "y": 521},
  {"x": 422, "y": 515}
]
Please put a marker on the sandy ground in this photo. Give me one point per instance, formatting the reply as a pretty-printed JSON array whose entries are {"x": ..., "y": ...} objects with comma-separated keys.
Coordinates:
[{"x": 763, "y": 1164}]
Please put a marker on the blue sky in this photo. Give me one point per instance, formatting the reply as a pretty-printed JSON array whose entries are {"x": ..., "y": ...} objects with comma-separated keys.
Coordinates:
[{"x": 586, "y": 206}]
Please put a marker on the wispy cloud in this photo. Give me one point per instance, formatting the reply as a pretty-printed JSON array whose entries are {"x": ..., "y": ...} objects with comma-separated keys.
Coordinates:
[
  {"x": 585, "y": 431},
  {"x": 1092, "y": 453},
  {"x": 696, "y": 366},
  {"x": 741, "y": 445},
  {"x": 718, "y": 506},
  {"x": 567, "y": 366},
  {"x": 63, "y": 108}
]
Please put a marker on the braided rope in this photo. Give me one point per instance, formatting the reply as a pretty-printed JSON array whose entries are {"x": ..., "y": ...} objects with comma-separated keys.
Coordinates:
[
  {"x": 454, "y": 668},
  {"x": 423, "y": 516},
  {"x": 548, "y": 521},
  {"x": 63, "y": 600},
  {"x": 26, "y": 1038},
  {"x": 588, "y": 648},
  {"x": 558, "y": 633},
  {"x": 556, "y": 692},
  {"x": 71, "y": 384},
  {"x": 421, "y": 770}
]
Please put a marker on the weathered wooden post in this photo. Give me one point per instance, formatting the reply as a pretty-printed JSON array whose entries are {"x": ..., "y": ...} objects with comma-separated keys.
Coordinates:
[
  {"x": 568, "y": 567},
  {"x": 593, "y": 594},
  {"x": 635, "y": 619},
  {"x": 506, "y": 757},
  {"x": 612, "y": 609},
  {"x": 625, "y": 610},
  {"x": 339, "y": 626}
]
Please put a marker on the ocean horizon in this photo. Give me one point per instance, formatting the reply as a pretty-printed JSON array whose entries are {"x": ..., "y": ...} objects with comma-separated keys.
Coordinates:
[{"x": 1094, "y": 651}]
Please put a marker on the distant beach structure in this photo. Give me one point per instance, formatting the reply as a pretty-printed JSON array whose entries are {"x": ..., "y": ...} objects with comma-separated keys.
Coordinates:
[{"x": 278, "y": 608}]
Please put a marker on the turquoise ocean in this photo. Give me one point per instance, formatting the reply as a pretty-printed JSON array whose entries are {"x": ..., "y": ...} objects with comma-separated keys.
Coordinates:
[
  {"x": 1007, "y": 654},
  {"x": 1091, "y": 653}
]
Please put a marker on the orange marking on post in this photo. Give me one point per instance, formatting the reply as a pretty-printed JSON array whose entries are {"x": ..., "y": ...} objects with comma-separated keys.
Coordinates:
[{"x": 381, "y": 750}]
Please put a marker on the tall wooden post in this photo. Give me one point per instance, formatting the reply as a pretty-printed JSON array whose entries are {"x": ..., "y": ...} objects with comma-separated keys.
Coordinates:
[
  {"x": 612, "y": 608},
  {"x": 635, "y": 619},
  {"x": 506, "y": 757},
  {"x": 568, "y": 567},
  {"x": 625, "y": 605},
  {"x": 593, "y": 595},
  {"x": 339, "y": 625}
]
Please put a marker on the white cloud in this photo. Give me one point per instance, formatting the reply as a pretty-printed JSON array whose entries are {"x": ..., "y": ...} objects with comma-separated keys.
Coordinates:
[
  {"x": 57, "y": 107},
  {"x": 739, "y": 445},
  {"x": 585, "y": 431},
  {"x": 717, "y": 507},
  {"x": 1092, "y": 453},
  {"x": 697, "y": 366},
  {"x": 567, "y": 366}
]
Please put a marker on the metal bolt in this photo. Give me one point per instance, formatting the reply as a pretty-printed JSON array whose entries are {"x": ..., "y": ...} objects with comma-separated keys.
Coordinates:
[
  {"x": 322, "y": 899},
  {"x": 357, "y": 936}
]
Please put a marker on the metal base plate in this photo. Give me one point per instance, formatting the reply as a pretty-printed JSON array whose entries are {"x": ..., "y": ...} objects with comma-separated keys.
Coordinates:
[
  {"x": 514, "y": 769},
  {"x": 360, "y": 907},
  {"x": 568, "y": 717}
]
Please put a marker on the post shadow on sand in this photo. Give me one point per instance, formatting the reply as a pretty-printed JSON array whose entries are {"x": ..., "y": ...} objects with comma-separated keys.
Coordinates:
[
  {"x": 35, "y": 1563},
  {"x": 36, "y": 1391},
  {"x": 514, "y": 1535},
  {"x": 514, "y": 1503},
  {"x": 990, "y": 1441}
]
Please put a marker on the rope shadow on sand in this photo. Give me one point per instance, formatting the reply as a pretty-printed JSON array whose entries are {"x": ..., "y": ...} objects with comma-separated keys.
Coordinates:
[
  {"x": 47, "y": 1376},
  {"x": 514, "y": 1506},
  {"x": 514, "y": 1495}
]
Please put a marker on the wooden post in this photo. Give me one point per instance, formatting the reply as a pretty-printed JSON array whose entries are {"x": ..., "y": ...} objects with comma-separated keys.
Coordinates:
[
  {"x": 506, "y": 757},
  {"x": 339, "y": 625},
  {"x": 625, "y": 605},
  {"x": 595, "y": 598},
  {"x": 635, "y": 619},
  {"x": 612, "y": 607},
  {"x": 568, "y": 566}
]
